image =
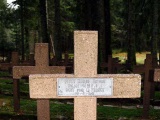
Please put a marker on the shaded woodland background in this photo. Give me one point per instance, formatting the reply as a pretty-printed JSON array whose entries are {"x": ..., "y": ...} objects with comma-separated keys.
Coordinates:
[{"x": 126, "y": 25}]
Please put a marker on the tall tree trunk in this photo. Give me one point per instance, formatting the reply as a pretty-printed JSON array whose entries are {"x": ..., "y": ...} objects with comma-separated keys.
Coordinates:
[
  {"x": 107, "y": 41},
  {"x": 154, "y": 30},
  {"x": 58, "y": 41},
  {"x": 27, "y": 41},
  {"x": 95, "y": 14},
  {"x": 99, "y": 24},
  {"x": 154, "y": 41},
  {"x": 43, "y": 17},
  {"x": 22, "y": 27},
  {"x": 130, "y": 35},
  {"x": 88, "y": 15},
  {"x": 80, "y": 19}
]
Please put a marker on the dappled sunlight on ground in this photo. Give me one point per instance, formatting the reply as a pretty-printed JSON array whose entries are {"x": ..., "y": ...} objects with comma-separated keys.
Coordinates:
[{"x": 140, "y": 57}]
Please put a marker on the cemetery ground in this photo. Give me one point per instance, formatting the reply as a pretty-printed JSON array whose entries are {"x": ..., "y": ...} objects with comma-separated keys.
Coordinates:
[{"x": 108, "y": 109}]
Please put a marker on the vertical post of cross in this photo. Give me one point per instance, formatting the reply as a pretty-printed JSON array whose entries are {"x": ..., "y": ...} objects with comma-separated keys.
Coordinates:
[
  {"x": 43, "y": 53},
  {"x": 85, "y": 46},
  {"x": 15, "y": 58},
  {"x": 147, "y": 86}
]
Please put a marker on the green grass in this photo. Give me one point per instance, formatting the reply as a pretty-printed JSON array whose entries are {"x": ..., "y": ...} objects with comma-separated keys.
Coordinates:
[
  {"x": 115, "y": 113},
  {"x": 28, "y": 106},
  {"x": 58, "y": 110},
  {"x": 157, "y": 95},
  {"x": 28, "y": 109},
  {"x": 4, "y": 73},
  {"x": 6, "y": 86}
]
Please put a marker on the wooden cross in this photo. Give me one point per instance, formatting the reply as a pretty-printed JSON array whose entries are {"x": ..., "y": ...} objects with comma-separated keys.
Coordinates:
[
  {"x": 112, "y": 65},
  {"x": 41, "y": 67},
  {"x": 147, "y": 65},
  {"x": 14, "y": 61},
  {"x": 15, "y": 58},
  {"x": 157, "y": 75},
  {"x": 67, "y": 62},
  {"x": 85, "y": 85},
  {"x": 147, "y": 69}
]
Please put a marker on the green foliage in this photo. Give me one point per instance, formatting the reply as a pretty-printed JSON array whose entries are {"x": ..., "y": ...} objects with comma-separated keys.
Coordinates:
[
  {"x": 68, "y": 24},
  {"x": 5, "y": 44},
  {"x": 73, "y": 15},
  {"x": 117, "y": 24},
  {"x": 142, "y": 21}
]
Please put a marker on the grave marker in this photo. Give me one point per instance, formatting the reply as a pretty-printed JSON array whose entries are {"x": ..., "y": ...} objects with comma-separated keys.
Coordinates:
[
  {"x": 112, "y": 65},
  {"x": 67, "y": 62},
  {"x": 41, "y": 67},
  {"x": 157, "y": 75},
  {"x": 14, "y": 61},
  {"x": 85, "y": 84},
  {"x": 148, "y": 84},
  {"x": 28, "y": 62}
]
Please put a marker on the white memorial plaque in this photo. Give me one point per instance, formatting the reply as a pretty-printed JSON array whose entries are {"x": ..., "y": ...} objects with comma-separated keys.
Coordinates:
[{"x": 84, "y": 86}]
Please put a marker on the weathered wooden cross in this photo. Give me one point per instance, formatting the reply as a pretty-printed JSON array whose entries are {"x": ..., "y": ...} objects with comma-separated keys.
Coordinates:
[
  {"x": 148, "y": 83},
  {"x": 67, "y": 62},
  {"x": 112, "y": 65},
  {"x": 85, "y": 85},
  {"x": 157, "y": 75},
  {"x": 41, "y": 67},
  {"x": 14, "y": 61}
]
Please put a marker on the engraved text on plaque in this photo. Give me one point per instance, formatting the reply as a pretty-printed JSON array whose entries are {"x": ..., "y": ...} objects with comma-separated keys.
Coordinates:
[{"x": 84, "y": 86}]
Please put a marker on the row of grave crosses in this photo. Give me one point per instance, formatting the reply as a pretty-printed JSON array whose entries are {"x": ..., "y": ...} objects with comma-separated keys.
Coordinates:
[
  {"x": 4, "y": 66},
  {"x": 47, "y": 82}
]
